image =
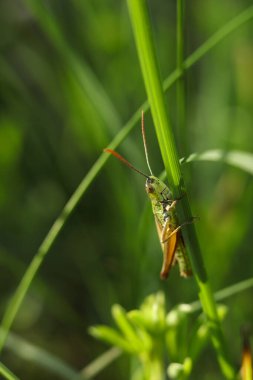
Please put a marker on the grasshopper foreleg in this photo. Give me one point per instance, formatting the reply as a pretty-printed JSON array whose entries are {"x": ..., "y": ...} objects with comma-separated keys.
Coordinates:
[{"x": 175, "y": 230}]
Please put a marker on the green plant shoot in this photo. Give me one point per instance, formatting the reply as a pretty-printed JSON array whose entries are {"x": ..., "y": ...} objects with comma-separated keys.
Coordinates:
[{"x": 164, "y": 210}]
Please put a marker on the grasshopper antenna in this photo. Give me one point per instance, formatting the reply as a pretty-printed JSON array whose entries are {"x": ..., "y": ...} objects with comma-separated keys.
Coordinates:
[
  {"x": 144, "y": 141},
  {"x": 119, "y": 157}
]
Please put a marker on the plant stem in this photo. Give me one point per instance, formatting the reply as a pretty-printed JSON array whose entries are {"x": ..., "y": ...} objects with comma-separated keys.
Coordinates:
[
  {"x": 143, "y": 38},
  {"x": 98, "y": 364},
  {"x": 181, "y": 98},
  {"x": 154, "y": 369},
  {"x": 152, "y": 364}
]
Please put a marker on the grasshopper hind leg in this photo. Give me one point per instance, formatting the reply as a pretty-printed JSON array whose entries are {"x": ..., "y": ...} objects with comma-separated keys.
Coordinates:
[{"x": 182, "y": 258}]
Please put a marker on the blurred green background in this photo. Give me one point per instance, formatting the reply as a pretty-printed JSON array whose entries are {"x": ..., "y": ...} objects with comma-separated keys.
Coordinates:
[{"x": 70, "y": 79}]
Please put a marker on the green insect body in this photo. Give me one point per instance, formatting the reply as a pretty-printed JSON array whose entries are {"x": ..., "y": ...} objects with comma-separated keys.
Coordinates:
[
  {"x": 164, "y": 210},
  {"x": 169, "y": 231}
]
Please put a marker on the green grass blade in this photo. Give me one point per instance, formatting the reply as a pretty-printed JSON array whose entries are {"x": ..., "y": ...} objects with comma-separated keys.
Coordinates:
[
  {"x": 222, "y": 294},
  {"x": 234, "y": 289},
  {"x": 40, "y": 357},
  {"x": 6, "y": 373},
  {"x": 237, "y": 158},
  {"x": 92, "y": 369},
  {"x": 53, "y": 233},
  {"x": 217, "y": 37},
  {"x": 149, "y": 67},
  {"x": 208, "y": 45},
  {"x": 143, "y": 38},
  {"x": 181, "y": 98}
]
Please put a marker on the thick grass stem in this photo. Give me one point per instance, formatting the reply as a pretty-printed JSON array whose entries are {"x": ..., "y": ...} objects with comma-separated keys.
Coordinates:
[{"x": 143, "y": 38}]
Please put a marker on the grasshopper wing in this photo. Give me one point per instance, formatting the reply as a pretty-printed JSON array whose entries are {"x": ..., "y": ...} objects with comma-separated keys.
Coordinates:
[{"x": 168, "y": 247}]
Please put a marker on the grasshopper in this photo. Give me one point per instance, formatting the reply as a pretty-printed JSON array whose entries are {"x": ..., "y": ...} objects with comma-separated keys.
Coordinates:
[{"x": 164, "y": 210}]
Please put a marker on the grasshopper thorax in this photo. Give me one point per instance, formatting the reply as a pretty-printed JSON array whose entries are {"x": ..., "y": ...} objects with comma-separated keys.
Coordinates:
[{"x": 157, "y": 190}]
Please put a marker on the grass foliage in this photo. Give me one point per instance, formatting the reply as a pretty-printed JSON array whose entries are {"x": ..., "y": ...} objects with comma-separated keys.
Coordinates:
[{"x": 77, "y": 234}]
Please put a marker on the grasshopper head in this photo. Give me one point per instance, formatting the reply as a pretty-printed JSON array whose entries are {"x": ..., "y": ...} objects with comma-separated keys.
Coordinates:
[{"x": 156, "y": 189}]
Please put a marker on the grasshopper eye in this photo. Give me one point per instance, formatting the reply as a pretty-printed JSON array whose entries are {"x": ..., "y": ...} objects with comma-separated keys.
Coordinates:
[{"x": 149, "y": 185}]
